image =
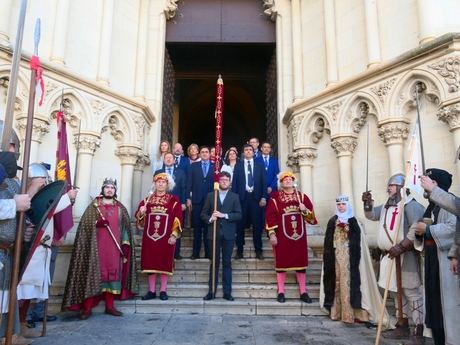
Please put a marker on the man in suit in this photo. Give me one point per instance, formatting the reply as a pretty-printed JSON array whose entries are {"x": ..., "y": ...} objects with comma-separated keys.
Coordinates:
[
  {"x": 249, "y": 182},
  {"x": 254, "y": 142},
  {"x": 271, "y": 166},
  {"x": 180, "y": 161},
  {"x": 227, "y": 215},
  {"x": 200, "y": 181},
  {"x": 179, "y": 189}
]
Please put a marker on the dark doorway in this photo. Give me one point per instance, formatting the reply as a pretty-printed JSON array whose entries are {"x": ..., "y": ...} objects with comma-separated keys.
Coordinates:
[{"x": 244, "y": 70}]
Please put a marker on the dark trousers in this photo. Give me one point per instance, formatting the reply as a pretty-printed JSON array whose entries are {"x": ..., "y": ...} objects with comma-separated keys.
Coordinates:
[
  {"x": 251, "y": 214},
  {"x": 227, "y": 249},
  {"x": 200, "y": 231}
]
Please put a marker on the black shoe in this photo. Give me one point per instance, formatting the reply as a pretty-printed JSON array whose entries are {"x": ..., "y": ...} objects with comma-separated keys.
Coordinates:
[
  {"x": 209, "y": 296},
  {"x": 239, "y": 256},
  {"x": 30, "y": 324},
  {"x": 259, "y": 256},
  {"x": 149, "y": 295},
  {"x": 207, "y": 256},
  {"x": 305, "y": 298},
  {"x": 163, "y": 295},
  {"x": 49, "y": 318},
  {"x": 281, "y": 298},
  {"x": 194, "y": 257},
  {"x": 178, "y": 257},
  {"x": 228, "y": 297}
]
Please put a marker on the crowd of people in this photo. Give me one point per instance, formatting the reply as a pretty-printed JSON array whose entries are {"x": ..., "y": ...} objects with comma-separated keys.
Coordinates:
[{"x": 252, "y": 194}]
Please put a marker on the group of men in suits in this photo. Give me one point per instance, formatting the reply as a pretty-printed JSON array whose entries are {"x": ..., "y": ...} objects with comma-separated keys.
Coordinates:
[{"x": 254, "y": 178}]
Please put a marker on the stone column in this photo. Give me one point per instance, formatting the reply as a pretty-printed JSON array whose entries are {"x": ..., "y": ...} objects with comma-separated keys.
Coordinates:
[
  {"x": 430, "y": 19},
  {"x": 105, "y": 43},
  {"x": 331, "y": 43},
  {"x": 297, "y": 49},
  {"x": 139, "y": 87},
  {"x": 41, "y": 126},
  {"x": 450, "y": 114},
  {"x": 128, "y": 155},
  {"x": 60, "y": 31},
  {"x": 305, "y": 158},
  {"x": 5, "y": 10},
  {"x": 89, "y": 142},
  {"x": 372, "y": 33},
  {"x": 393, "y": 132},
  {"x": 344, "y": 146},
  {"x": 138, "y": 192}
]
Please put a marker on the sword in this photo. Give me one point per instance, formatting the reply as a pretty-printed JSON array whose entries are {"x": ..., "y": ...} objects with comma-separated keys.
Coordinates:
[
  {"x": 125, "y": 259},
  {"x": 420, "y": 87},
  {"x": 77, "y": 156},
  {"x": 367, "y": 207}
]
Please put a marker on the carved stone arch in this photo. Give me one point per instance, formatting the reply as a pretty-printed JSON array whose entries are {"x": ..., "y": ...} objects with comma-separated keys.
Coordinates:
[
  {"x": 402, "y": 97},
  {"x": 76, "y": 108},
  {"x": 356, "y": 111},
  {"x": 313, "y": 127},
  {"x": 22, "y": 93},
  {"x": 120, "y": 125}
]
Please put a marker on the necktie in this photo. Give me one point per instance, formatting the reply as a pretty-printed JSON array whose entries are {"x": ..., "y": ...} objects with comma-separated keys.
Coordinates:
[
  {"x": 169, "y": 171},
  {"x": 266, "y": 162},
  {"x": 250, "y": 176},
  {"x": 205, "y": 169},
  {"x": 176, "y": 161}
]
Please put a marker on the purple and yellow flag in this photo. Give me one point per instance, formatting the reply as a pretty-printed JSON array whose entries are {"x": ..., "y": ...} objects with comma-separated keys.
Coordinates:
[{"x": 63, "y": 221}]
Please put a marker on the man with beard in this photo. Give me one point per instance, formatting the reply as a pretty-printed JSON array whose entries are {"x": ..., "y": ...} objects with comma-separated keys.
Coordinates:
[
  {"x": 288, "y": 212},
  {"x": 180, "y": 161},
  {"x": 103, "y": 262},
  {"x": 160, "y": 215},
  {"x": 435, "y": 235},
  {"x": 227, "y": 215},
  {"x": 387, "y": 215}
]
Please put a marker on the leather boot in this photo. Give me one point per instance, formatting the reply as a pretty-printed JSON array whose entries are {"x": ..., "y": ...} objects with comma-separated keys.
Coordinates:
[
  {"x": 401, "y": 331},
  {"x": 417, "y": 337},
  {"x": 27, "y": 332}
]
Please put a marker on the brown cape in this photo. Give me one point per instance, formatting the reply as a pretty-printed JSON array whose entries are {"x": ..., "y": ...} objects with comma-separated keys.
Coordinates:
[{"x": 84, "y": 277}]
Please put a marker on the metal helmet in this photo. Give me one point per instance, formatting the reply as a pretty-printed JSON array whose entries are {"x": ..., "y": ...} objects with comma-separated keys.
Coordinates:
[
  {"x": 397, "y": 179},
  {"x": 38, "y": 170}
]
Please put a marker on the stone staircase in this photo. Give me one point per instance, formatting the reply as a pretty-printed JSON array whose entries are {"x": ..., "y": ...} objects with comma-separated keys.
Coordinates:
[{"x": 254, "y": 287}]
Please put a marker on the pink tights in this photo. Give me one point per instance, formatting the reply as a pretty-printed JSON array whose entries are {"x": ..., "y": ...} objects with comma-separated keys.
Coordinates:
[{"x": 163, "y": 282}]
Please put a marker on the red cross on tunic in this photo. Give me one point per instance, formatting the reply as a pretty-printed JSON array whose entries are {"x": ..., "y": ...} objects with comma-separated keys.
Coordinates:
[{"x": 393, "y": 218}]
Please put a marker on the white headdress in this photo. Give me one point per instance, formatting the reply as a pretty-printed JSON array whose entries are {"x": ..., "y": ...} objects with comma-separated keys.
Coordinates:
[{"x": 344, "y": 216}]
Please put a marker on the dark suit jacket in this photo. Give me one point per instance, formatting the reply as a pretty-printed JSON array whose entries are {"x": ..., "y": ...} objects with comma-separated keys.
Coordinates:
[
  {"x": 198, "y": 185},
  {"x": 272, "y": 171},
  {"x": 239, "y": 180},
  {"x": 181, "y": 183},
  {"x": 231, "y": 206},
  {"x": 184, "y": 164}
]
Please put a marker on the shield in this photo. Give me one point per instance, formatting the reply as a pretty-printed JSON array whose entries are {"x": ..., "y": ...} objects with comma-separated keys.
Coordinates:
[
  {"x": 157, "y": 225},
  {"x": 293, "y": 226},
  {"x": 41, "y": 212}
]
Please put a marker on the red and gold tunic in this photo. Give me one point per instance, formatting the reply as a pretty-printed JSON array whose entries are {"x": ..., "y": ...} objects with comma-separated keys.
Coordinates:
[
  {"x": 163, "y": 217},
  {"x": 284, "y": 218}
]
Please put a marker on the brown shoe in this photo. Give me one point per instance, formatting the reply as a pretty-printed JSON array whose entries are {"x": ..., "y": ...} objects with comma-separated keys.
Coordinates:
[
  {"x": 417, "y": 337},
  {"x": 401, "y": 331},
  {"x": 113, "y": 312},
  {"x": 27, "y": 332}
]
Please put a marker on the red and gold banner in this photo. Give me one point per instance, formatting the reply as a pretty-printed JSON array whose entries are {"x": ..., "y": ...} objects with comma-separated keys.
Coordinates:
[
  {"x": 219, "y": 123},
  {"x": 63, "y": 221}
]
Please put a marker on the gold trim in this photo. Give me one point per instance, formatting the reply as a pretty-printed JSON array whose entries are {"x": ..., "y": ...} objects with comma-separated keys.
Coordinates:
[
  {"x": 291, "y": 268},
  {"x": 156, "y": 271},
  {"x": 115, "y": 292},
  {"x": 126, "y": 242}
]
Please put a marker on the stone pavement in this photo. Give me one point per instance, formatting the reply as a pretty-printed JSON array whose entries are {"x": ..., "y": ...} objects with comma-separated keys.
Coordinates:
[{"x": 172, "y": 329}]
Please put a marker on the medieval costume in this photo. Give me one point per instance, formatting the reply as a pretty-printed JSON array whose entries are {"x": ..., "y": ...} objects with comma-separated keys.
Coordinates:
[
  {"x": 348, "y": 286},
  {"x": 8, "y": 189},
  {"x": 288, "y": 212},
  {"x": 98, "y": 270},
  {"x": 436, "y": 236},
  {"x": 160, "y": 216},
  {"x": 389, "y": 218}
]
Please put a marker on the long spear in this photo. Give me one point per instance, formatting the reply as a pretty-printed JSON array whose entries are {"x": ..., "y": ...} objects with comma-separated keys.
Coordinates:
[
  {"x": 218, "y": 145},
  {"x": 420, "y": 87},
  {"x": 13, "y": 81},
  {"x": 35, "y": 68}
]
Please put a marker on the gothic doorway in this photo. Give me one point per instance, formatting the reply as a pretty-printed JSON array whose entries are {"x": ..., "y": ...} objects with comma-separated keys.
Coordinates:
[{"x": 237, "y": 41}]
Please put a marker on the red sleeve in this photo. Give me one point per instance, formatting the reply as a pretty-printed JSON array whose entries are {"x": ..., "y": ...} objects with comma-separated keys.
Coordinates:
[
  {"x": 271, "y": 215},
  {"x": 138, "y": 216},
  {"x": 177, "y": 213},
  {"x": 310, "y": 217}
]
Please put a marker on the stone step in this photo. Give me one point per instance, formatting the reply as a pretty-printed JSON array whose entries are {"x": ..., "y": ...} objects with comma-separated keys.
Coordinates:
[{"x": 178, "y": 305}]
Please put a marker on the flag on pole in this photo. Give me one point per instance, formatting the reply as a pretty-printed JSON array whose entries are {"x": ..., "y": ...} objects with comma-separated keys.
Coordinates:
[
  {"x": 63, "y": 221},
  {"x": 415, "y": 167},
  {"x": 219, "y": 122}
]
